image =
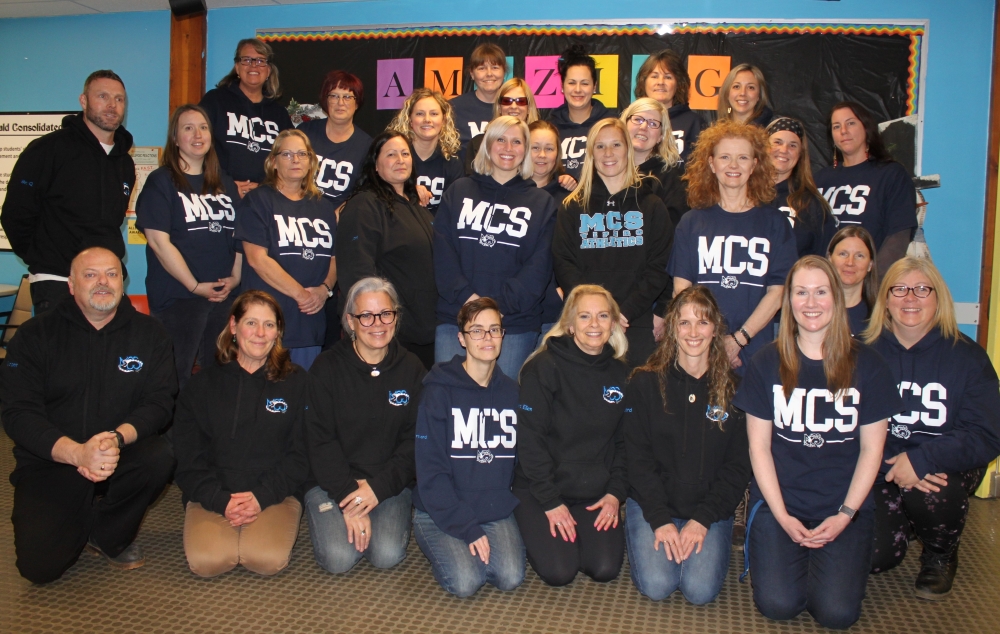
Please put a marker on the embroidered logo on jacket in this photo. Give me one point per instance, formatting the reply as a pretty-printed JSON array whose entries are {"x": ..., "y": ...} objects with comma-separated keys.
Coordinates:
[
  {"x": 613, "y": 394},
  {"x": 716, "y": 414},
  {"x": 129, "y": 364},
  {"x": 126, "y": 189},
  {"x": 487, "y": 240},
  {"x": 276, "y": 405},
  {"x": 484, "y": 456},
  {"x": 215, "y": 227},
  {"x": 308, "y": 254},
  {"x": 399, "y": 398}
]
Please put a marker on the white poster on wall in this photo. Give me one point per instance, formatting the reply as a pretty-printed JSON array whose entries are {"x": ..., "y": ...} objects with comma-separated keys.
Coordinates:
[{"x": 16, "y": 132}]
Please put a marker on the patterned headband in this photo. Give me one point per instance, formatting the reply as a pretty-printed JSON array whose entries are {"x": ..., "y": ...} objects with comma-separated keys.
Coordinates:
[{"x": 786, "y": 123}]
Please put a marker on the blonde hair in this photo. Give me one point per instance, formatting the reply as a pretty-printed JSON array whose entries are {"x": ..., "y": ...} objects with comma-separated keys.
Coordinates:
[
  {"x": 586, "y": 183},
  {"x": 483, "y": 164},
  {"x": 725, "y": 109},
  {"x": 568, "y": 316},
  {"x": 308, "y": 185},
  {"x": 944, "y": 315},
  {"x": 666, "y": 149},
  {"x": 509, "y": 85},
  {"x": 448, "y": 140}
]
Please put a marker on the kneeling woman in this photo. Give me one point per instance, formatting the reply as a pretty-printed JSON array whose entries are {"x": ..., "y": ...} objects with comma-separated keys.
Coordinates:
[
  {"x": 365, "y": 392},
  {"x": 464, "y": 521},
  {"x": 239, "y": 436},
  {"x": 570, "y": 475},
  {"x": 940, "y": 442},
  {"x": 816, "y": 402},
  {"x": 688, "y": 463}
]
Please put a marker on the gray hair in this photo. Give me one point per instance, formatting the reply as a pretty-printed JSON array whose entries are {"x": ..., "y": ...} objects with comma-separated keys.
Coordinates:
[{"x": 369, "y": 285}]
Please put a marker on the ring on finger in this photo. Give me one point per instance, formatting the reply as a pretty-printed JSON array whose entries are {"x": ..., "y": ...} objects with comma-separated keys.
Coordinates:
[
  {"x": 102, "y": 466},
  {"x": 358, "y": 500},
  {"x": 362, "y": 531}
]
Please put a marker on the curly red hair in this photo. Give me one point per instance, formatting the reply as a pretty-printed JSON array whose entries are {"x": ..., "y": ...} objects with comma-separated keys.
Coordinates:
[{"x": 703, "y": 186}]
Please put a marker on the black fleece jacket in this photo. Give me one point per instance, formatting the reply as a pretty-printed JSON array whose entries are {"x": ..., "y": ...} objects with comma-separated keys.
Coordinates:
[
  {"x": 396, "y": 243},
  {"x": 235, "y": 432},
  {"x": 621, "y": 242},
  {"x": 680, "y": 464},
  {"x": 667, "y": 185},
  {"x": 63, "y": 377},
  {"x": 571, "y": 446},
  {"x": 362, "y": 427},
  {"x": 67, "y": 194}
]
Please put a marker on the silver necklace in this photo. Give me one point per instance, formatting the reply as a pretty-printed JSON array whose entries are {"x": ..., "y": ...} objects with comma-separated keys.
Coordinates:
[{"x": 375, "y": 370}]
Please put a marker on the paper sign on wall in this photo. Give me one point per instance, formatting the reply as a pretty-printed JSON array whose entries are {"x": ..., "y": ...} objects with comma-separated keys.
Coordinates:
[
  {"x": 444, "y": 74},
  {"x": 395, "y": 83},
  {"x": 706, "y": 73},
  {"x": 542, "y": 75},
  {"x": 606, "y": 90}
]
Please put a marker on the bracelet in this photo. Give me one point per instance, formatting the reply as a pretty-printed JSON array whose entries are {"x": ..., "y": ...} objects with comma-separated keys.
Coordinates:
[
  {"x": 195, "y": 286},
  {"x": 737, "y": 341},
  {"x": 746, "y": 334}
]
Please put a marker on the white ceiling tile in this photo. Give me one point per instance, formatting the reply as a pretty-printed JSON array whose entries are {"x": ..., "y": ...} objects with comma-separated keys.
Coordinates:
[
  {"x": 42, "y": 9},
  {"x": 119, "y": 6}
]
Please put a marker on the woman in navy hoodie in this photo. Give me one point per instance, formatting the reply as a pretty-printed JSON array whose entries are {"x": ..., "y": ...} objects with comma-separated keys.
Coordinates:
[
  {"x": 946, "y": 433},
  {"x": 662, "y": 77},
  {"x": 570, "y": 475},
  {"x": 465, "y": 454},
  {"x": 493, "y": 238},
  {"x": 580, "y": 111}
]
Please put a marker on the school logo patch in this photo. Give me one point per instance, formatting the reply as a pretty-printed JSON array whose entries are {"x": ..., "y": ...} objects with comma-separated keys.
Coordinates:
[
  {"x": 308, "y": 254},
  {"x": 572, "y": 164},
  {"x": 729, "y": 281},
  {"x": 253, "y": 146},
  {"x": 716, "y": 414},
  {"x": 276, "y": 405},
  {"x": 813, "y": 441},
  {"x": 901, "y": 431},
  {"x": 399, "y": 398},
  {"x": 215, "y": 227},
  {"x": 613, "y": 394},
  {"x": 487, "y": 240},
  {"x": 129, "y": 364},
  {"x": 484, "y": 456},
  {"x": 126, "y": 189}
]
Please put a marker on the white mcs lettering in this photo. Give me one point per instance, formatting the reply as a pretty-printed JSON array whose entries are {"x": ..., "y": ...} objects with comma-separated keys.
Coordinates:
[
  {"x": 256, "y": 128},
  {"x": 200, "y": 207},
  {"x": 931, "y": 395},
  {"x": 481, "y": 216},
  {"x": 574, "y": 147},
  {"x": 435, "y": 186},
  {"x": 333, "y": 175},
  {"x": 294, "y": 231},
  {"x": 720, "y": 255},
  {"x": 679, "y": 140},
  {"x": 790, "y": 413},
  {"x": 857, "y": 195},
  {"x": 476, "y": 130},
  {"x": 471, "y": 431}
]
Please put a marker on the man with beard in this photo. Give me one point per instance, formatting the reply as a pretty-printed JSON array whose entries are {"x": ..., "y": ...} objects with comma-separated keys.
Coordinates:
[
  {"x": 69, "y": 190},
  {"x": 85, "y": 388}
]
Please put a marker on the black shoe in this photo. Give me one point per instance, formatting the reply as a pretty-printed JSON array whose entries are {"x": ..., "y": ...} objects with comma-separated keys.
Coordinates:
[
  {"x": 740, "y": 521},
  {"x": 937, "y": 572},
  {"x": 129, "y": 559}
]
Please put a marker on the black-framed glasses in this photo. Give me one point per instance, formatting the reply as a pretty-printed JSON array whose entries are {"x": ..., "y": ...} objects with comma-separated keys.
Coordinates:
[
  {"x": 511, "y": 101},
  {"x": 340, "y": 98},
  {"x": 288, "y": 155},
  {"x": 480, "y": 333},
  {"x": 252, "y": 61},
  {"x": 920, "y": 291},
  {"x": 652, "y": 123},
  {"x": 368, "y": 319}
]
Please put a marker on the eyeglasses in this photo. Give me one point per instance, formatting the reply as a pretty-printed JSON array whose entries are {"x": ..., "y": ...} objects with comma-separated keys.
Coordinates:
[
  {"x": 252, "y": 61},
  {"x": 918, "y": 291},
  {"x": 652, "y": 123},
  {"x": 511, "y": 101},
  {"x": 287, "y": 155},
  {"x": 368, "y": 319},
  {"x": 340, "y": 98},
  {"x": 480, "y": 333}
]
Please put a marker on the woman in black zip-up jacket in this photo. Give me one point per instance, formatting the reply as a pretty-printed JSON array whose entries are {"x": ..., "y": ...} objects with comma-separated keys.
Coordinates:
[
  {"x": 239, "y": 436},
  {"x": 570, "y": 477},
  {"x": 688, "y": 456},
  {"x": 361, "y": 435}
]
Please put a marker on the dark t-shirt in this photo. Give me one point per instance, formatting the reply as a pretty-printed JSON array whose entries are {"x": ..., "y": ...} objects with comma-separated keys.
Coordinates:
[
  {"x": 437, "y": 174},
  {"x": 339, "y": 163},
  {"x": 878, "y": 196},
  {"x": 737, "y": 256},
  {"x": 816, "y": 436},
  {"x": 813, "y": 227},
  {"x": 299, "y": 236},
  {"x": 857, "y": 317},
  {"x": 471, "y": 115},
  {"x": 200, "y": 226}
]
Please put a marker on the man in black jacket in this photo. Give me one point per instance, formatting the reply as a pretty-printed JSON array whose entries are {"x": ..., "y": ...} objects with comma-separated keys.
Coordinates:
[
  {"x": 69, "y": 190},
  {"x": 85, "y": 388}
]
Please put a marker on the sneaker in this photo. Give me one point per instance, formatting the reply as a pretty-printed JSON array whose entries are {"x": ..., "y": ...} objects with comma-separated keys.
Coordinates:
[
  {"x": 740, "y": 521},
  {"x": 129, "y": 559},
  {"x": 937, "y": 572}
]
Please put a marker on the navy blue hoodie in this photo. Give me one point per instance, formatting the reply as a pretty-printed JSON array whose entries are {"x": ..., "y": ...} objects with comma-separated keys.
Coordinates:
[
  {"x": 466, "y": 449},
  {"x": 574, "y": 135},
  {"x": 687, "y": 126},
  {"x": 496, "y": 241},
  {"x": 951, "y": 398},
  {"x": 437, "y": 174}
]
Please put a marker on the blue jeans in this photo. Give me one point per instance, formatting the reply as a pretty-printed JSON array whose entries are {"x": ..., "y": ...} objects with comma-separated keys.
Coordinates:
[
  {"x": 305, "y": 356},
  {"x": 513, "y": 352},
  {"x": 699, "y": 578},
  {"x": 829, "y": 582},
  {"x": 328, "y": 531},
  {"x": 459, "y": 571}
]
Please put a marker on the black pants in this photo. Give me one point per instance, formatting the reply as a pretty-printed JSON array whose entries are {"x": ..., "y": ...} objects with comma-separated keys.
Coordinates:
[
  {"x": 46, "y": 294},
  {"x": 424, "y": 352},
  {"x": 937, "y": 519},
  {"x": 641, "y": 344},
  {"x": 597, "y": 554},
  {"x": 56, "y": 510},
  {"x": 194, "y": 324}
]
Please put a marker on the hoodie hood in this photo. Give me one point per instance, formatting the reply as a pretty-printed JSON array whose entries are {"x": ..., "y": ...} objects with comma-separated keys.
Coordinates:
[
  {"x": 123, "y": 315},
  {"x": 452, "y": 374},
  {"x": 677, "y": 109},
  {"x": 345, "y": 353},
  {"x": 122, "y": 138},
  {"x": 565, "y": 348},
  {"x": 560, "y": 118}
]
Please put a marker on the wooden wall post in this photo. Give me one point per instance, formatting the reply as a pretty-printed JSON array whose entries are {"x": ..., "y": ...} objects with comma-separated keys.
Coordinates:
[
  {"x": 188, "y": 37},
  {"x": 992, "y": 165}
]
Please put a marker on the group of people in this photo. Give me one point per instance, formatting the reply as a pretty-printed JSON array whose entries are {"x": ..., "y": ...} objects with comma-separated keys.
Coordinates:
[{"x": 539, "y": 322}]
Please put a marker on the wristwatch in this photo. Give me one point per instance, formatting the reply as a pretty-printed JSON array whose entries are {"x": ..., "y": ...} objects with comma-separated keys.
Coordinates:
[
  {"x": 848, "y": 511},
  {"x": 329, "y": 291},
  {"x": 121, "y": 439}
]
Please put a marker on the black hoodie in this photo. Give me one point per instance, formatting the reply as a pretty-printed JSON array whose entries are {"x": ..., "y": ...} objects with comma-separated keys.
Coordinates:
[
  {"x": 667, "y": 185},
  {"x": 680, "y": 464},
  {"x": 621, "y": 242},
  {"x": 687, "y": 126},
  {"x": 243, "y": 132},
  {"x": 67, "y": 194},
  {"x": 235, "y": 431},
  {"x": 951, "y": 400},
  {"x": 574, "y": 135},
  {"x": 572, "y": 446},
  {"x": 361, "y": 426},
  {"x": 396, "y": 243},
  {"x": 63, "y": 377}
]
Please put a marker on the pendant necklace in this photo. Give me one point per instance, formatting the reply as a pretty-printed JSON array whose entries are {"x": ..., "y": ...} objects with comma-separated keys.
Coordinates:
[{"x": 375, "y": 370}]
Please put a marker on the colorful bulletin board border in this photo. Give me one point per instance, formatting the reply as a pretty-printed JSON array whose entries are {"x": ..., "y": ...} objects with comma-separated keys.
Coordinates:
[{"x": 916, "y": 32}]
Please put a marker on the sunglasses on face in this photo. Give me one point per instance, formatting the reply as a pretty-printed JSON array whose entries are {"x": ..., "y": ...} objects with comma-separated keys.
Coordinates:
[{"x": 512, "y": 101}]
